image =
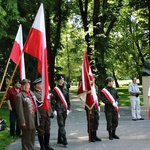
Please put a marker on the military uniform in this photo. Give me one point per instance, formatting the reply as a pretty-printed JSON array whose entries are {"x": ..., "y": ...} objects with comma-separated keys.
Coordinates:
[
  {"x": 110, "y": 112},
  {"x": 27, "y": 113},
  {"x": 58, "y": 106},
  {"x": 44, "y": 128}
]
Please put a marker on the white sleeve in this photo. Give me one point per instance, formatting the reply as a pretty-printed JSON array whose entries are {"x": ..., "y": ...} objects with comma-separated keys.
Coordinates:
[{"x": 149, "y": 92}]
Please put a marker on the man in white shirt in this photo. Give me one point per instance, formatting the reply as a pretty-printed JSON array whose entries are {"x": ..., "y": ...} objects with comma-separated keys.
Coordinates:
[{"x": 134, "y": 91}]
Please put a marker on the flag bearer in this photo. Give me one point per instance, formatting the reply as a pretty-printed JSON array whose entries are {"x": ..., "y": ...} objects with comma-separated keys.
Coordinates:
[
  {"x": 61, "y": 105},
  {"x": 93, "y": 122},
  {"x": 110, "y": 97},
  {"x": 44, "y": 128}
]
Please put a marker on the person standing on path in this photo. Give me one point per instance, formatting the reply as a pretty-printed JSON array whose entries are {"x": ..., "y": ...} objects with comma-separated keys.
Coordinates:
[
  {"x": 134, "y": 91},
  {"x": 11, "y": 98},
  {"x": 110, "y": 98},
  {"x": 94, "y": 117},
  {"x": 28, "y": 116},
  {"x": 61, "y": 105},
  {"x": 44, "y": 128}
]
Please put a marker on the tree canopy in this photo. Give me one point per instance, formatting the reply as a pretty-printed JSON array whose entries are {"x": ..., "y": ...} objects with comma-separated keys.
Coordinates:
[{"x": 116, "y": 35}]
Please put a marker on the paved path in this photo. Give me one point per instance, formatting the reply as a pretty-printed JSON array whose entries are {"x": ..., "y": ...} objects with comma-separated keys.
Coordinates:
[{"x": 134, "y": 135}]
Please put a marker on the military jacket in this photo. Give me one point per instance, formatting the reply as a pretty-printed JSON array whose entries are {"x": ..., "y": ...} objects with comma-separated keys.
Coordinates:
[
  {"x": 56, "y": 102},
  {"x": 42, "y": 112},
  {"x": 114, "y": 94},
  {"x": 25, "y": 112}
]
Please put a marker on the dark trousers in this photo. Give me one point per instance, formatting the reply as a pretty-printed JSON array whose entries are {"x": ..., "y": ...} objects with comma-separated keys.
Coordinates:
[
  {"x": 28, "y": 138},
  {"x": 112, "y": 120},
  {"x": 44, "y": 127},
  {"x": 94, "y": 119},
  {"x": 14, "y": 128},
  {"x": 61, "y": 119}
]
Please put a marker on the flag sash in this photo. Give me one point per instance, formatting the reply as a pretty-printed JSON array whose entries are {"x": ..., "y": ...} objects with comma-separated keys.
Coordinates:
[
  {"x": 61, "y": 96},
  {"x": 149, "y": 103},
  {"x": 110, "y": 98}
]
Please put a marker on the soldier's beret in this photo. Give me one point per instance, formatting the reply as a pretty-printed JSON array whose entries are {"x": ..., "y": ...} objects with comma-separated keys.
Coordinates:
[
  {"x": 37, "y": 81},
  {"x": 24, "y": 81}
]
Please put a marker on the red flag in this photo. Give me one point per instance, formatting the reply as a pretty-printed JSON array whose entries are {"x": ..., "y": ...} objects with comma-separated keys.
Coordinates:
[
  {"x": 35, "y": 45},
  {"x": 86, "y": 89},
  {"x": 149, "y": 103},
  {"x": 16, "y": 52}
]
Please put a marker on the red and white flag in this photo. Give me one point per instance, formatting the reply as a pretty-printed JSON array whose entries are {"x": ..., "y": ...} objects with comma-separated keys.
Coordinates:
[
  {"x": 149, "y": 103},
  {"x": 35, "y": 45},
  {"x": 86, "y": 88},
  {"x": 16, "y": 52}
]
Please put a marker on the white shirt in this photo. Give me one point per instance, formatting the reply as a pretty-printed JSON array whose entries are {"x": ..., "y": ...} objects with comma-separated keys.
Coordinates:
[{"x": 133, "y": 88}]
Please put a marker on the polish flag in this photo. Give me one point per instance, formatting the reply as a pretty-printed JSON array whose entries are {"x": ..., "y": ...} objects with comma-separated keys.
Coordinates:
[
  {"x": 149, "y": 103},
  {"x": 16, "y": 53},
  {"x": 86, "y": 88},
  {"x": 35, "y": 45}
]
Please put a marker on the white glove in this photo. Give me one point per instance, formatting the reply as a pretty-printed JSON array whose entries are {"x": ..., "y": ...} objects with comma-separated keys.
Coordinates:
[
  {"x": 68, "y": 112},
  {"x": 55, "y": 113},
  {"x": 99, "y": 109},
  {"x": 114, "y": 104}
]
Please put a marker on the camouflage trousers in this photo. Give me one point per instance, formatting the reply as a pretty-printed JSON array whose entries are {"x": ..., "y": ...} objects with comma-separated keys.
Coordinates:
[
  {"x": 61, "y": 119},
  {"x": 94, "y": 119},
  {"x": 112, "y": 120}
]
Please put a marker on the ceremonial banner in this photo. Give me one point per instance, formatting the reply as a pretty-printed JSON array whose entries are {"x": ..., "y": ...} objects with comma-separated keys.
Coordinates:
[
  {"x": 35, "y": 45},
  {"x": 86, "y": 88},
  {"x": 16, "y": 52}
]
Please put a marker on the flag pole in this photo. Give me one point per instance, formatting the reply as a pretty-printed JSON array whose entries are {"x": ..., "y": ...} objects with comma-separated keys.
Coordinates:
[
  {"x": 89, "y": 122},
  {"x": 4, "y": 74},
  {"x": 10, "y": 81}
]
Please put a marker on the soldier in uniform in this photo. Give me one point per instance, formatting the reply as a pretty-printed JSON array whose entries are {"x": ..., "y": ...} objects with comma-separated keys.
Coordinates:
[
  {"x": 94, "y": 118},
  {"x": 44, "y": 128},
  {"x": 61, "y": 106},
  {"x": 28, "y": 116},
  {"x": 110, "y": 111}
]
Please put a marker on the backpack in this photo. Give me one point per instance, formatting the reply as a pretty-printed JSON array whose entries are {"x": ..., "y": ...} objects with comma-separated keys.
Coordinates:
[{"x": 2, "y": 124}]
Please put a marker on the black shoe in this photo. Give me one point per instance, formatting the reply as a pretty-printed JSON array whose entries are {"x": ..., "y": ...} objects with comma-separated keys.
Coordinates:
[
  {"x": 92, "y": 139},
  {"x": 141, "y": 119},
  {"x": 64, "y": 140},
  {"x": 95, "y": 136},
  {"x": 110, "y": 135},
  {"x": 114, "y": 134},
  {"x": 59, "y": 139},
  {"x": 134, "y": 119}
]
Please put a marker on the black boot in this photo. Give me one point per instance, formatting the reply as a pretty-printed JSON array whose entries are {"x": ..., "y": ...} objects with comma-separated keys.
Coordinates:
[
  {"x": 95, "y": 136},
  {"x": 92, "y": 137},
  {"x": 64, "y": 140},
  {"x": 46, "y": 142},
  {"x": 110, "y": 135},
  {"x": 41, "y": 141},
  {"x": 114, "y": 134},
  {"x": 59, "y": 139}
]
